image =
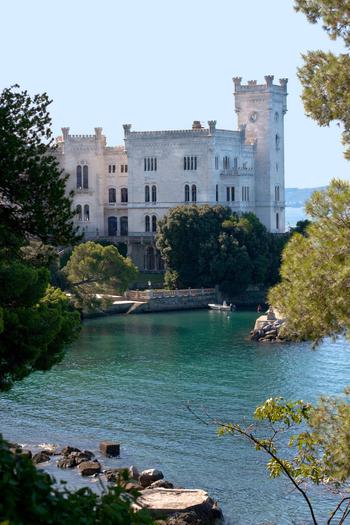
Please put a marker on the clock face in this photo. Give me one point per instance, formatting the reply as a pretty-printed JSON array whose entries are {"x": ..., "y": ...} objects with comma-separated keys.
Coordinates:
[{"x": 253, "y": 116}]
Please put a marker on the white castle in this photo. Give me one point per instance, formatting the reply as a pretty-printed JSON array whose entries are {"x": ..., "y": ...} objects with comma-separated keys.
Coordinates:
[{"x": 121, "y": 192}]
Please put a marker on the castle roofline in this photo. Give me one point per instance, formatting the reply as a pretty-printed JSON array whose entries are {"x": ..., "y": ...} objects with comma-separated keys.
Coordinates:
[{"x": 254, "y": 87}]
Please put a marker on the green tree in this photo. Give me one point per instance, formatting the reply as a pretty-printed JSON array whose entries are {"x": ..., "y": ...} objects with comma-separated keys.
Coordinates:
[
  {"x": 325, "y": 75},
  {"x": 96, "y": 269},
  {"x": 315, "y": 273},
  {"x": 33, "y": 194},
  {"x": 36, "y": 321},
  {"x": 187, "y": 239},
  {"x": 209, "y": 245}
]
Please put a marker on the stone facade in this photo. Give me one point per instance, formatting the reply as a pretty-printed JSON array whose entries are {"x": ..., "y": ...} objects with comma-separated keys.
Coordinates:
[{"x": 122, "y": 192}]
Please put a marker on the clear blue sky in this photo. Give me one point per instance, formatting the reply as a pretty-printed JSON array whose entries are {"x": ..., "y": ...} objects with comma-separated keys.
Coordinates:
[{"x": 160, "y": 64}]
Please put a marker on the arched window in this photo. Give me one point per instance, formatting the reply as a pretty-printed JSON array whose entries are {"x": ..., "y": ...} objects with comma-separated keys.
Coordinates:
[
  {"x": 150, "y": 259},
  {"x": 154, "y": 193},
  {"x": 217, "y": 193},
  {"x": 147, "y": 224},
  {"x": 123, "y": 226},
  {"x": 147, "y": 196},
  {"x": 79, "y": 212},
  {"x": 79, "y": 178},
  {"x": 112, "y": 195},
  {"x": 277, "y": 221},
  {"x": 124, "y": 195},
  {"x": 194, "y": 193},
  {"x": 187, "y": 193},
  {"x": 154, "y": 223},
  {"x": 85, "y": 177},
  {"x": 112, "y": 226},
  {"x": 86, "y": 212}
]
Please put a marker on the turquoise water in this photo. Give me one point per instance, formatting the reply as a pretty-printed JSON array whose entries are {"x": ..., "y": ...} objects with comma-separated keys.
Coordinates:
[{"x": 129, "y": 378}]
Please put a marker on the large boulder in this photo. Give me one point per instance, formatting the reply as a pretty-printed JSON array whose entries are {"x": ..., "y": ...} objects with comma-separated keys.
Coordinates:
[
  {"x": 149, "y": 476},
  {"x": 89, "y": 468},
  {"x": 169, "y": 502}
]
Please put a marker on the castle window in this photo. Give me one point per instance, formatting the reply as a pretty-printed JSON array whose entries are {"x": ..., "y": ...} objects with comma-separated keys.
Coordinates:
[
  {"x": 79, "y": 178},
  {"x": 147, "y": 223},
  {"x": 113, "y": 168},
  {"x": 226, "y": 163},
  {"x": 235, "y": 163},
  {"x": 123, "y": 226},
  {"x": 194, "y": 193},
  {"x": 154, "y": 194},
  {"x": 110, "y": 168},
  {"x": 217, "y": 193},
  {"x": 126, "y": 167},
  {"x": 276, "y": 166},
  {"x": 124, "y": 195},
  {"x": 147, "y": 195},
  {"x": 86, "y": 212},
  {"x": 277, "y": 142},
  {"x": 277, "y": 193},
  {"x": 79, "y": 212},
  {"x": 216, "y": 163},
  {"x": 230, "y": 193},
  {"x": 149, "y": 259},
  {"x": 190, "y": 163},
  {"x": 112, "y": 195},
  {"x": 149, "y": 164},
  {"x": 245, "y": 193},
  {"x": 112, "y": 226},
  {"x": 277, "y": 221},
  {"x": 154, "y": 223},
  {"x": 122, "y": 168},
  {"x": 85, "y": 177},
  {"x": 187, "y": 193}
]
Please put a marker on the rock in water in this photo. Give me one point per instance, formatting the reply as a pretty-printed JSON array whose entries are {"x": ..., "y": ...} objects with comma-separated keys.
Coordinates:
[
  {"x": 66, "y": 462},
  {"x": 68, "y": 450},
  {"x": 161, "y": 483},
  {"x": 88, "y": 468},
  {"x": 40, "y": 457},
  {"x": 169, "y": 502},
  {"x": 110, "y": 448},
  {"x": 147, "y": 477}
]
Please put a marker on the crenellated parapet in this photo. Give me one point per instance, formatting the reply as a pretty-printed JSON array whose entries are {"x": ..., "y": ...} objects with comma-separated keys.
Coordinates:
[{"x": 253, "y": 86}]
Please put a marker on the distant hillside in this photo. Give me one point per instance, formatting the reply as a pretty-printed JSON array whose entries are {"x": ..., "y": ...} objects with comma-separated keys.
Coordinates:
[{"x": 296, "y": 197}]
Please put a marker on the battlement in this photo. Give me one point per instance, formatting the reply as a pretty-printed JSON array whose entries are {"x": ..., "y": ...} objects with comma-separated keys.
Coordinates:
[
  {"x": 169, "y": 133},
  {"x": 253, "y": 87},
  {"x": 85, "y": 138}
]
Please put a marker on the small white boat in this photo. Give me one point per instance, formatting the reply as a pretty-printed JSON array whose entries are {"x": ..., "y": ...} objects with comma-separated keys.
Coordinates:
[{"x": 221, "y": 307}]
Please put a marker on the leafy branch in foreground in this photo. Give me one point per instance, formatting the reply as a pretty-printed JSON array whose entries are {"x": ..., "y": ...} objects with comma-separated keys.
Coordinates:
[{"x": 318, "y": 454}]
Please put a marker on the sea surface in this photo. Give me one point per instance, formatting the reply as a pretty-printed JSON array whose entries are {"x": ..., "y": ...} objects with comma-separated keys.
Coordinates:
[
  {"x": 293, "y": 215},
  {"x": 130, "y": 378}
]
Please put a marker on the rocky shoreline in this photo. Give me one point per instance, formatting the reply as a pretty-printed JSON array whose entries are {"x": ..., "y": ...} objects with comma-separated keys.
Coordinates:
[
  {"x": 167, "y": 504},
  {"x": 268, "y": 328}
]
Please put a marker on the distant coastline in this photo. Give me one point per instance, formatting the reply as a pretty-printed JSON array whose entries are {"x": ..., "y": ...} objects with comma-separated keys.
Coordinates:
[{"x": 296, "y": 197}]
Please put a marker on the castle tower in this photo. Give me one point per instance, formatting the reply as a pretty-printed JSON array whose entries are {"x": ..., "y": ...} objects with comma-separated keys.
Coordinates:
[{"x": 261, "y": 109}]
